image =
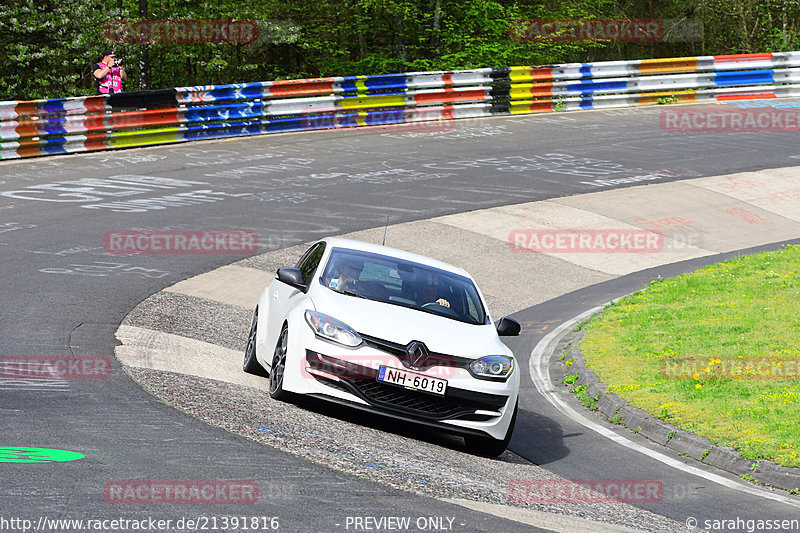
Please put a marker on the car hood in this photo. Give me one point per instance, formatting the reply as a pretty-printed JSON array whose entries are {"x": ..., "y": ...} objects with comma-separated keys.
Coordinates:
[{"x": 402, "y": 325}]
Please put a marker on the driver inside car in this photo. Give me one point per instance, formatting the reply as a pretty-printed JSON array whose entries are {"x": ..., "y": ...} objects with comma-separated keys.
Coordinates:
[
  {"x": 349, "y": 272},
  {"x": 430, "y": 295}
]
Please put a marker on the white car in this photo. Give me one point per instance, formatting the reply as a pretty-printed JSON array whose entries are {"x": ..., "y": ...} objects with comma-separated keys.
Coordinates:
[{"x": 389, "y": 332}]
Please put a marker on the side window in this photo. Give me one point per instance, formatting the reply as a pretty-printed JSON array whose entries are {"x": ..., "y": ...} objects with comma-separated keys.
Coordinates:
[
  {"x": 472, "y": 308},
  {"x": 310, "y": 261}
]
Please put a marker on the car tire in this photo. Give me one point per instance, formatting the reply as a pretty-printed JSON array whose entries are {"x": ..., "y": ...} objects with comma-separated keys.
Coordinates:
[
  {"x": 278, "y": 366},
  {"x": 489, "y": 447},
  {"x": 251, "y": 364}
]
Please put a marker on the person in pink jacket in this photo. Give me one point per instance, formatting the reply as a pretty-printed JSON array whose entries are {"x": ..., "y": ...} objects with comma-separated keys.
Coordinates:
[{"x": 109, "y": 73}]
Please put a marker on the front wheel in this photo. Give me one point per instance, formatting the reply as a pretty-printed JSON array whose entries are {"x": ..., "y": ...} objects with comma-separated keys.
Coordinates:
[
  {"x": 278, "y": 366},
  {"x": 487, "y": 446},
  {"x": 251, "y": 364}
]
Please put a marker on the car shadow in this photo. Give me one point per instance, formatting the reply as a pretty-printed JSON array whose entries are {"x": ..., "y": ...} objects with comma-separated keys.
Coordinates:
[
  {"x": 401, "y": 428},
  {"x": 538, "y": 438}
]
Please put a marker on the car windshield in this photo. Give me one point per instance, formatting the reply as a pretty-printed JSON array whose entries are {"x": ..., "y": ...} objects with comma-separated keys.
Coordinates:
[{"x": 404, "y": 283}]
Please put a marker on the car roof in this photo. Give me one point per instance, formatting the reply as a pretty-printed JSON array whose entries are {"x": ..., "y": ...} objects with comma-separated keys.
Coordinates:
[{"x": 338, "y": 242}]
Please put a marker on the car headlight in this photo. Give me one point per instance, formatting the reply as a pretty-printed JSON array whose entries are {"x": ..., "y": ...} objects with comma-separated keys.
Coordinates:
[
  {"x": 334, "y": 330},
  {"x": 492, "y": 367}
]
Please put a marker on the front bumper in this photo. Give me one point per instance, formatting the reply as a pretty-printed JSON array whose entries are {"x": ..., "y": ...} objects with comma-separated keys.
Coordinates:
[
  {"x": 348, "y": 376},
  {"x": 361, "y": 381}
]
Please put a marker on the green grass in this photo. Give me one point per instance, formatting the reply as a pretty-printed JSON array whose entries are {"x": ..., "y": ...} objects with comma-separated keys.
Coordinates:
[{"x": 741, "y": 310}]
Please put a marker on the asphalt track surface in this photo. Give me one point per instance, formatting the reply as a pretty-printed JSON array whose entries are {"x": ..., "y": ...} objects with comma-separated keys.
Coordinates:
[{"x": 63, "y": 295}]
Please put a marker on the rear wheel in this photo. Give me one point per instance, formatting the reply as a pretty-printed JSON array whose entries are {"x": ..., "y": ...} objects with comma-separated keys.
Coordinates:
[
  {"x": 278, "y": 366},
  {"x": 488, "y": 446},
  {"x": 251, "y": 364}
]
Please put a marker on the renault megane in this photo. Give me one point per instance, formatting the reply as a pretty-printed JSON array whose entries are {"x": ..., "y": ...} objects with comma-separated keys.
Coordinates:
[{"x": 390, "y": 332}]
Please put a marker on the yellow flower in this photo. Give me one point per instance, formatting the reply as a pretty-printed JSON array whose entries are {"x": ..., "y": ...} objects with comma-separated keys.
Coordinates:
[
  {"x": 698, "y": 386},
  {"x": 696, "y": 376}
]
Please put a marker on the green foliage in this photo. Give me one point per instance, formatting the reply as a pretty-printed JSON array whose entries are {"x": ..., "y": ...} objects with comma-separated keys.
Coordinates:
[
  {"x": 48, "y": 47},
  {"x": 583, "y": 395}
]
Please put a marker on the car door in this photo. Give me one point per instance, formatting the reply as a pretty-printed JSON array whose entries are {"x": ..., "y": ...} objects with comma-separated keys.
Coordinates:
[{"x": 284, "y": 297}]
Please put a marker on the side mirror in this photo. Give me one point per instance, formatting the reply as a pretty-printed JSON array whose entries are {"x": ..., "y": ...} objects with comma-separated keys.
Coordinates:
[
  {"x": 292, "y": 276},
  {"x": 508, "y": 327}
]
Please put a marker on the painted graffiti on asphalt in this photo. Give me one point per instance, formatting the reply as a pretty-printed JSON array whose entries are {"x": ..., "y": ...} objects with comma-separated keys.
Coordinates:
[
  {"x": 91, "y": 192},
  {"x": 459, "y": 132},
  {"x": 88, "y": 190},
  {"x": 105, "y": 268},
  {"x": 290, "y": 163},
  {"x": 382, "y": 176},
  {"x": 14, "y": 226},
  {"x": 605, "y": 173},
  {"x": 204, "y": 158}
]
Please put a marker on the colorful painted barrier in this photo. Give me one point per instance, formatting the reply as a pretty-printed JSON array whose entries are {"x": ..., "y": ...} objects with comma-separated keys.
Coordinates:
[{"x": 141, "y": 118}]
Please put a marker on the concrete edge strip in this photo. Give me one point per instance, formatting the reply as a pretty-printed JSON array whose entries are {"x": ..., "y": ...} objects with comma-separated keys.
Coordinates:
[
  {"x": 146, "y": 349},
  {"x": 214, "y": 285},
  {"x": 539, "y": 365},
  {"x": 541, "y": 519}
]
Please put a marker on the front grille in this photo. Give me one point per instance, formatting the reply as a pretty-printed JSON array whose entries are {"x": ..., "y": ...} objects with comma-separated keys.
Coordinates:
[
  {"x": 401, "y": 351},
  {"x": 384, "y": 345},
  {"x": 381, "y": 393},
  {"x": 421, "y": 403}
]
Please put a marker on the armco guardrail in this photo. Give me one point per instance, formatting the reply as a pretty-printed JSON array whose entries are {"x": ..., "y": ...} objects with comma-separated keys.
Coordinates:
[{"x": 66, "y": 125}]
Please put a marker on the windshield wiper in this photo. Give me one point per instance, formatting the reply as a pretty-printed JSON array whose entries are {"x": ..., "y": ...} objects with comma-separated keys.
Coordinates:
[{"x": 351, "y": 293}]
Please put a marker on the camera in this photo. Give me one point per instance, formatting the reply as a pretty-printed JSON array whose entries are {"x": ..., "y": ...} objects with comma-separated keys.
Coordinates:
[{"x": 118, "y": 60}]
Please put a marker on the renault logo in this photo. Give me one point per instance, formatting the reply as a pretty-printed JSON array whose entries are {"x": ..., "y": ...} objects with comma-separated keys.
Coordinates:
[{"x": 417, "y": 353}]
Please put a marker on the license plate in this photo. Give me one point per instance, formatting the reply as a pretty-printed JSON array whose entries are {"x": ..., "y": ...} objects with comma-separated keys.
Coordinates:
[{"x": 412, "y": 380}]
